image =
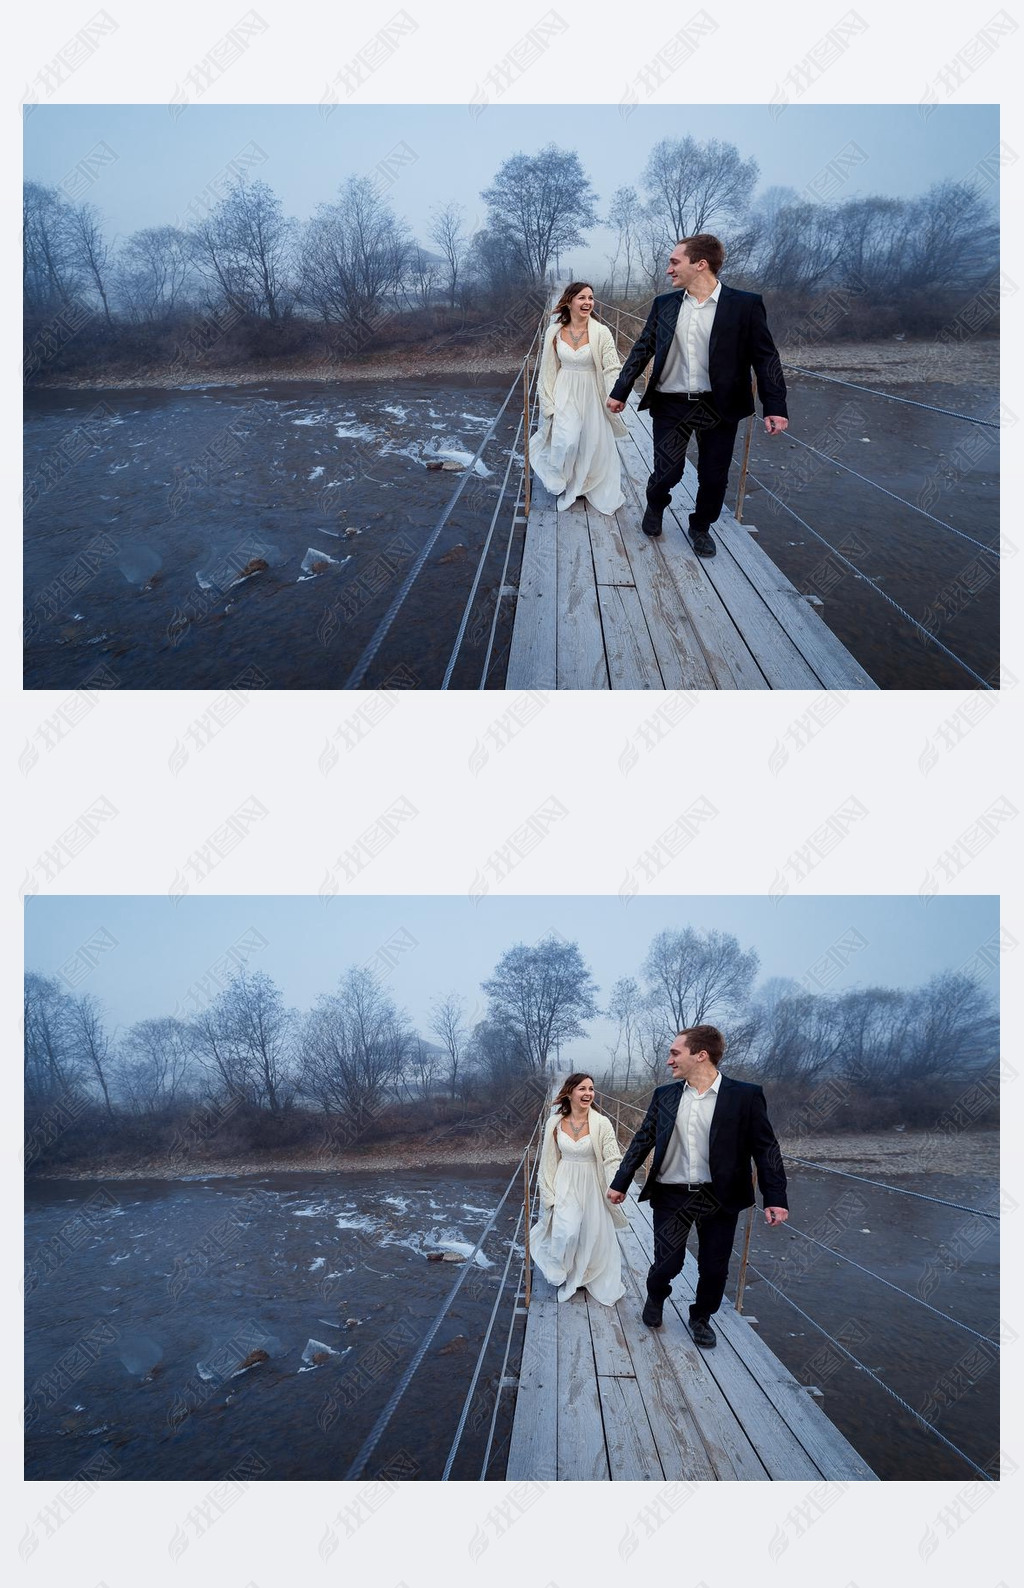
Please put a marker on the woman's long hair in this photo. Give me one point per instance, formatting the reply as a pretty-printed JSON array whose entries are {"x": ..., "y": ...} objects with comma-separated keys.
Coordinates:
[
  {"x": 570, "y": 1084},
  {"x": 561, "y": 308}
]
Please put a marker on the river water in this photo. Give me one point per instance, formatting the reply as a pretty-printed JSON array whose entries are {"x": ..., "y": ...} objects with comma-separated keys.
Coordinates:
[
  {"x": 255, "y": 536},
  {"x": 144, "y": 1300}
]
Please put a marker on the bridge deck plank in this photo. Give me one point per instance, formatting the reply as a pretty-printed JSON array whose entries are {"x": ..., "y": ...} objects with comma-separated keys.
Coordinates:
[
  {"x": 602, "y": 606},
  {"x": 639, "y": 1403}
]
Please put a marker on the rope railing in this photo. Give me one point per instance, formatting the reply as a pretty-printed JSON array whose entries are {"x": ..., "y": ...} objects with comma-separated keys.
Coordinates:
[
  {"x": 882, "y": 1281},
  {"x": 523, "y": 1221},
  {"x": 951, "y": 413},
  {"x": 992, "y": 551},
  {"x": 522, "y": 430},
  {"x": 863, "y": 1368},
  {"x": 358, "y": 674},
  {"x": 464, "y": 1417},
  {"x": 900, "y": 1190},
  {"x": 372, "y": 1440},
  {"x": 873, "y": 585}
]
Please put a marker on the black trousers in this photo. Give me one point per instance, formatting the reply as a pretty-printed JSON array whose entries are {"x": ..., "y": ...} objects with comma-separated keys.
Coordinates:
[
  {"x": 676, "y": 1211},
  {"x": 676, "y": 419}
]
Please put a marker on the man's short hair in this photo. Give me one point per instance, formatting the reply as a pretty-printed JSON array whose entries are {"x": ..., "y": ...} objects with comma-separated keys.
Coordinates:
[
  {"x": 704, "y": 246},
  {"x": 707, "y": 1039}
]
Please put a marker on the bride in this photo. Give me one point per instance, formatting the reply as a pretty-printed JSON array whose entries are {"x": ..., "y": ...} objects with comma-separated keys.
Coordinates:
[
  {"x": 573, "y": 1242},
  {"x": 573, "y": 450}
]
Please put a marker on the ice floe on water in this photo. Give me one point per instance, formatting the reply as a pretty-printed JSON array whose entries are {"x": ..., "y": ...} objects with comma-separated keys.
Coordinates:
[
  {"x": 315, "y": 562},
  {"x": 355, "y": 1221},
  {"x": 140, "y": 1353},
  {"x": 317, "y": 1353},
  {"x": 447, "y": 1240},
  {"x": 435, "y": 451}
]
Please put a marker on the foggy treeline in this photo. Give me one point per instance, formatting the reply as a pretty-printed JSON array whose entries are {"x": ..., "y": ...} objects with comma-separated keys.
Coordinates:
[
  {"x": 244, "y": 1070},
  {"x": 236, "y": 279}
]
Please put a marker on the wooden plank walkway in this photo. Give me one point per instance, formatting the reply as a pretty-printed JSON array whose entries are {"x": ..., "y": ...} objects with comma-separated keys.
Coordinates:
[
  {"x": 602, "y": 1396},
  {"x": 602, "y": 606}
]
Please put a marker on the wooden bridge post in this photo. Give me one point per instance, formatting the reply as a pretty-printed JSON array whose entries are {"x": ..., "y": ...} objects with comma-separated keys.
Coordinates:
[
  {"x": 526, "y": 1225},
  {"x": 746, "y": 457},
  {"x": 526, "y": 437},
  {"x": 742, "y": 1278}
]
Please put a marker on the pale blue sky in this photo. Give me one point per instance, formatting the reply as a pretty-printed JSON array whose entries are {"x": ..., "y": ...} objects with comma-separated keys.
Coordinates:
[
  {"x": 162, "y": 164},
  {"x": 163, "y": 949}
]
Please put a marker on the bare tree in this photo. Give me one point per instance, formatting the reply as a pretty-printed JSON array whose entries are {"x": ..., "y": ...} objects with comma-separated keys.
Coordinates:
[
  {"x": 626, "y": 1007},
  {"x": 692, "y": 187},
  {"x": 353, "y": 254},
  {"x": 354, "y": 1045},
  {"x": 446, "y": 230},
  {"x": 624, "y": 214},
  {"x": 448, "y": 1021},
  {"x": 155, "y": 1068},
  {"x": 242, "y": 249},
  {"x": 423, "y": 1061},
  {"x": 89, "y": 1034},
  {"x": 544, "y": 993},
  {"x": 539, "y": 206},
  {"x": 93, "y": 253},
  {"x": 223, "y": 1061},
  {"x": 424, "y": 272},
  {"x": 50, "y": 1060},
  {"x": 952, "y": 1028},
  {"x": 693, "y": 976},
  {"x": 152, "y": 273},
  {"x": 52, "y": 277},
  {"x": 495, "y": 1052}
]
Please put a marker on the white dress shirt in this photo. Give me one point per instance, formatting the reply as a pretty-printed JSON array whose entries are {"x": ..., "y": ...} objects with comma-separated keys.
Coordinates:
[
  {"x": 686, "y": 366},
  {"x": 686, "y": 1159}
]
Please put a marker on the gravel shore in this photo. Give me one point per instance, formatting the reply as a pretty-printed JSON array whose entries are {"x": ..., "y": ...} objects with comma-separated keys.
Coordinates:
[
  {"x": 898, "y": 363},
  {"x": 885, "y": 1156}
]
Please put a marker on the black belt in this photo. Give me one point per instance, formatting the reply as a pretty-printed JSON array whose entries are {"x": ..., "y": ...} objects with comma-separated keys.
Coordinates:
[{"x": 682, "y": 1185}]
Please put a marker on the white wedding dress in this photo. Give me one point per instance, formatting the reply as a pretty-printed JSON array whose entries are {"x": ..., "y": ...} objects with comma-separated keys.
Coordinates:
[
  {"x": 581, "y": 457},
  {"x": 574, "y": 1244}
]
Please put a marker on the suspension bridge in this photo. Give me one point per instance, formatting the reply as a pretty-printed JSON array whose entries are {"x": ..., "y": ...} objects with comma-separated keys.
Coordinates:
[
  {"x": 583, "y": 600},
  {"x": 590, "y": 1393}
]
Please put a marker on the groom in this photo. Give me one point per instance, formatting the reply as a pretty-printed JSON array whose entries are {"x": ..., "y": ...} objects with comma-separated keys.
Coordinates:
[
  {"x": 704, "y": 340},
  {"x": 704, "y": 1134}
]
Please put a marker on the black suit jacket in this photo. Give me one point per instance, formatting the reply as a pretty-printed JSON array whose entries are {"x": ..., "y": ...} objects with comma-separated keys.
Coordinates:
[
  {"x": 740, "y": 1131},
  {"x": 740, "y": 341}
]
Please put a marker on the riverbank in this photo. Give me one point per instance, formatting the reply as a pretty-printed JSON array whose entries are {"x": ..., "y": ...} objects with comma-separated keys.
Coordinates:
[
  {"x": 885, "y": 1155},
  {"x": 894, "y": 363}
]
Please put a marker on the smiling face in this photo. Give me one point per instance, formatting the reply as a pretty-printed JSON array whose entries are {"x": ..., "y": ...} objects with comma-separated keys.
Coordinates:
[
  {"x": 684, "y": 1064},
  {"x": 582, "y": 304},
  {"x": 680, "y": 271},
  {"x": 581, "y": 1097}
]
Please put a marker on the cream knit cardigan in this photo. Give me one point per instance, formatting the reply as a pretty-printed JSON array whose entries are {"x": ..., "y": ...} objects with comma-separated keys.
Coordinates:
[
  {"x": 607, "y": 364},
  {"x": 607, "y": 1157}
]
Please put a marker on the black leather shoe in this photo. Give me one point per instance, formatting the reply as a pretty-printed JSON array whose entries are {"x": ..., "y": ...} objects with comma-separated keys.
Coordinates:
[
  {"x": 651, "y": 1314},
  {"x": 703, "y": 1334},
  {"x": 702, "y": 543},
  {"x": 651, "y": 521}
]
